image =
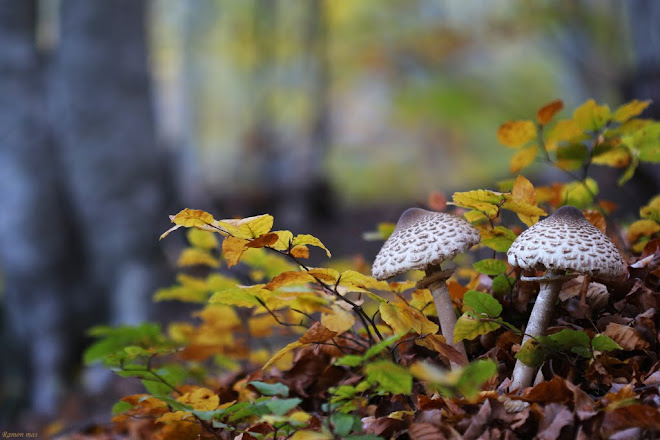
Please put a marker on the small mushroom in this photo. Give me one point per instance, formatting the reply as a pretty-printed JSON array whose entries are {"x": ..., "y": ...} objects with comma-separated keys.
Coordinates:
[
  {"x": 423, "y": 240},
  {"x": 565, "y": 241}
]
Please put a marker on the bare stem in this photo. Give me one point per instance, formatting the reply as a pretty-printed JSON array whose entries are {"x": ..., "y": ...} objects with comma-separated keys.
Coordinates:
[
  {"x": 446, "y": 316},
  {"x": 538, "y": 323}
]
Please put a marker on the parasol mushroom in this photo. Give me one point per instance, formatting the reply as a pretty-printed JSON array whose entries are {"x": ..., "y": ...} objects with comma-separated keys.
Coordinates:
[
  {"x": 564, "y": 241},
  {"x": 422, "y": 240}
]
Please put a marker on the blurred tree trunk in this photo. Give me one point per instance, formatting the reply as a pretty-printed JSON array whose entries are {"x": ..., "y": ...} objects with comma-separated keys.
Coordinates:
[
  {"x": 115, "y": 172},
  {"x": 82, "y": 183},
  {"x": 34, "y": 234}
]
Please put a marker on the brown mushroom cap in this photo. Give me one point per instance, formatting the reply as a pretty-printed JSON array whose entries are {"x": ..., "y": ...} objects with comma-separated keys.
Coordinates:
[
  {"x": 423, "y": 238},
  {"x": 566, "y": 241}
]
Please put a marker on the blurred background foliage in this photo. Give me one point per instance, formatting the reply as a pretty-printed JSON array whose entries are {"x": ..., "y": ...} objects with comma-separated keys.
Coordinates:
[{"x": 386, "y": 100}]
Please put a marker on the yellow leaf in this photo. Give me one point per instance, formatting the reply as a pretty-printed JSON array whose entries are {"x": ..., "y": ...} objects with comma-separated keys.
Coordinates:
[
  {"x": 545, "y": 114},
  {"x": 201, "y": 399},
  {"x": 289, "y": 278},
  {"x": 193, "y": 218},
  {"x": 523, "y": 158},
  {"x": 617, "y": 157},
  {"x": 630, "y": 110},
  {"x": 261, "y": 325},
  {"x": 175, "y": 416},
  {"x": 306, "y": 239},
  {"x": 196, "y": 256},
  {"x": 202, "y": 239},
  {"x": 299, "y": 417},
  {"x": 328, "y": 276},
  {"x": 528, "y": 213},
  {"x": 402, "y": 318},
  {"x": 400, "y": 415},
  {"x": 652, "y": 209},
  {"x": 563, "y": 130},
  {"x": 241, "y": 296},
  {"x": 423, "y": 300},
  {"x": 284, "y": 239},
  {"x": 339, "y": 320},
  {"x": 232, "y": 249},
  {"x": 591, "y": 116},
  {"x": 515, "y": 134},
  {"x": 645, "y": 228},
  {"x": 482, "y": 200},
  {"x": 524, "y": 196},
  {"x": 311, "y": 435},
  {"x": 190, "y": 218},
  {"x": 357, "y": 282},
  {"x": 247, "y": 228}
]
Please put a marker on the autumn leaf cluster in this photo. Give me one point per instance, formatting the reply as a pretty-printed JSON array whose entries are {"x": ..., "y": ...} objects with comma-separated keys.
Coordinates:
[{"x": 278, "y": 349}]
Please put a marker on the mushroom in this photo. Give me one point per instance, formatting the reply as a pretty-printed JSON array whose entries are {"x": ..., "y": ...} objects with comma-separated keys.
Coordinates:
[
  {"x": 564, "y": 241},
  {"x": 423, "y": 240}
]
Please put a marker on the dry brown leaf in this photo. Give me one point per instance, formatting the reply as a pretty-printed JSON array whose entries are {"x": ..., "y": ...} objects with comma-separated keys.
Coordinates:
[{"x": 626, "y": 337}]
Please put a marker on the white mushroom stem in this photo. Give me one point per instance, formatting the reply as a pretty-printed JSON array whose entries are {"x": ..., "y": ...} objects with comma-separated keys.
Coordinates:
[
  {"x": 445, "y": 308},
  {"x": 538, "y": 323}
]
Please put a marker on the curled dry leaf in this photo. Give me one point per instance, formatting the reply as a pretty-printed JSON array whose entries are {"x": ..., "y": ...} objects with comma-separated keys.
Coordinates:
[{"x": 626, "y": 337}]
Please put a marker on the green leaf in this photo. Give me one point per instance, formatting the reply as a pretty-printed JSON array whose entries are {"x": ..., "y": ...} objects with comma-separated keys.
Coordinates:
[
  {"x": 121, "y": 407},
  {"x": 474, "y": 375},
  {"x": 469, "y": 327},
  {"x": 343, "y": 423},
  {"x": 390, "y": 377},
  {"x": 155, "y": 387},
  {"x": 604, "y": 343},
  {"x": 482, "y": 303},
  {"x": 350, "y": 360},
  {"x": 572, "y": 156},
  {"x": 378, "y": 348},
  {"x": 498, "y": 239},
  {"x": 573, "y": 341},
  {"x": 279, "y": 407},
  {"x": 502, "y": 285},
  {"x": 271, "y": 389},
  {"x": 533, "y": 353},
  {"x": 490, "y": 266},
  {"x": 577, "y": 194}
]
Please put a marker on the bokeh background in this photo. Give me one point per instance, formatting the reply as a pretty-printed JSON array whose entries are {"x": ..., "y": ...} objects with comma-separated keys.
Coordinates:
[{"x": 332, "y": 115}]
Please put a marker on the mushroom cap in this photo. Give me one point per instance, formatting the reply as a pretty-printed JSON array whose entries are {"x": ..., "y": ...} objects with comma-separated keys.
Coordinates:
[
  {"x": 566, "y": 241},
  {"x": 423, "y": 238}
]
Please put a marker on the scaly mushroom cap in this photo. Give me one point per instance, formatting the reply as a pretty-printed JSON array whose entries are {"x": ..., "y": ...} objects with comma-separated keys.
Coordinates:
[
  {"x": 566, "y": 241},
  {"x": 421, "y": 239}
]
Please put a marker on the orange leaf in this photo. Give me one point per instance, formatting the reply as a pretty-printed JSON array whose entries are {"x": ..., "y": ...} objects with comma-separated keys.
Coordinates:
[
  {"x": 264, "y": 240},
  {"x": 300, "y": 251},
  {"x": 524, "y": 191},
  {"x": 515, "y": 134},
  {"x": 548, "y": 111},
  {"x": 232, "y": 249},
  {"x": 596, "y": 219},
  {"x": 437, "y": 201},
  {"x": 317, "y": 333},
  {"x": 438, "y": 343},
  {"x": 288, "y": 278}
]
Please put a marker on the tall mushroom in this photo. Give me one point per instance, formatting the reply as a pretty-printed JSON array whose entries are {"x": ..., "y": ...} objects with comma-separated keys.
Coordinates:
[
  {"x": 565, "y": 241},
  {"x": 423, "y": 240}
]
